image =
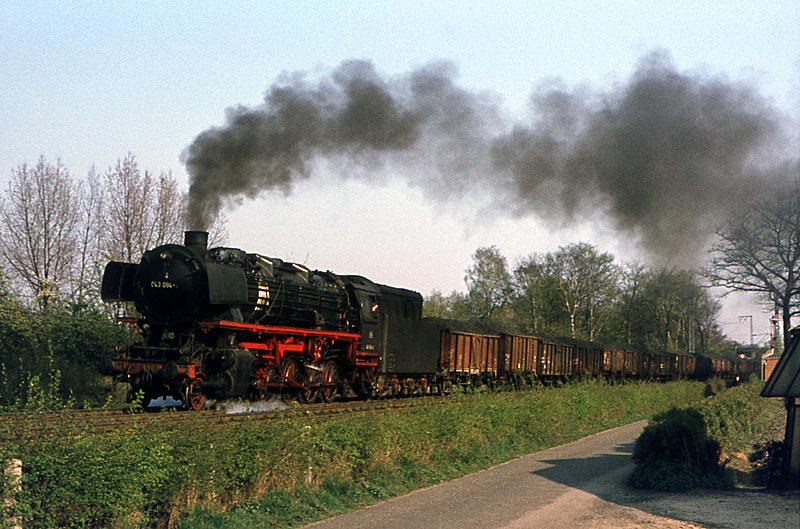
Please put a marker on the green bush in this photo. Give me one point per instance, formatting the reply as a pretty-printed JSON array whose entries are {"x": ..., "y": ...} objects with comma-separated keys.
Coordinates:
[
  {"x": 37, "y": 344},
  {"x": 684, "y": 449},
  {"x": 734, "y": 416},
  {"x": 675, "y": 453},
  {"x": 75, "y": 479},
  {"x": 79, "y": 339}
]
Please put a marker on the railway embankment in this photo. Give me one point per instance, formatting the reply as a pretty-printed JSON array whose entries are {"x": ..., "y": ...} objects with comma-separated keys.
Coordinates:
[{"x": 287, "y": 472}]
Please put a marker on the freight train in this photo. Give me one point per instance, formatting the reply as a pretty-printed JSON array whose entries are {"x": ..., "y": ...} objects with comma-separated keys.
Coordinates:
[{"x": 221, "y": 323}]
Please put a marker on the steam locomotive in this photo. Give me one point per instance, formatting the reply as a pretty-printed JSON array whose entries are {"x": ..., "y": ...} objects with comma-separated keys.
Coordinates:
[{"x": 225, "y": 324}]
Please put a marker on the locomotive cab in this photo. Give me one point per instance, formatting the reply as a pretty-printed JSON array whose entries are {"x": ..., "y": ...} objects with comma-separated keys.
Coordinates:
[
  {"x": 392, "y": 327},
  {"x": 366, "y": 297}
]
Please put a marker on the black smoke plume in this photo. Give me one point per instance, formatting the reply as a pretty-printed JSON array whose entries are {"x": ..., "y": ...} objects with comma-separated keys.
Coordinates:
[{"x": 666, "y": 156}]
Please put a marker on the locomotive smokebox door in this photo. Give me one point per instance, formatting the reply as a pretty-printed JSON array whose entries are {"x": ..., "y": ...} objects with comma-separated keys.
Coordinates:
[{"x": 171, "y": 286}]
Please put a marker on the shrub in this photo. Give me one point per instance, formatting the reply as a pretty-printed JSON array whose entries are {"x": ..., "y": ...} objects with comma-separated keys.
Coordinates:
[
  {"x": 676, "y": 453},
  {"x": 36, "y": 344},
  {"x": 714, "y": 386},
  {"x": 735, "y": 415},
  {"x": 72, "y": 478}
]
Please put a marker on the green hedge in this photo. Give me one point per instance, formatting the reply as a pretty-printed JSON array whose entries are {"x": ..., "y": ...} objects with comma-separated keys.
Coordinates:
[
  {"x": 675, "y": 453},
  {"x": 55, "y": 350},
  {"x": 684, "y": 449},
  {"x": 290, "y": 471}
]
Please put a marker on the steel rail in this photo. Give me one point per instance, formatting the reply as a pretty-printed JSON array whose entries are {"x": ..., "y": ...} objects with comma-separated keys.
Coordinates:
[{"x": 31, "y": 424}]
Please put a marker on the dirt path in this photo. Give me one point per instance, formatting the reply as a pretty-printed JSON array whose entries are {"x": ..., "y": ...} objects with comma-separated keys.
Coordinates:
[
  {"x": 579, "y": 484},
  {"x": 737, "y": 509}
]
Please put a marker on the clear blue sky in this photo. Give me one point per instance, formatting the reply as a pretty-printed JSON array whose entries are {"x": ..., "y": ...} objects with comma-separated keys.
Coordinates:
[{"x": 89, "y": 81}]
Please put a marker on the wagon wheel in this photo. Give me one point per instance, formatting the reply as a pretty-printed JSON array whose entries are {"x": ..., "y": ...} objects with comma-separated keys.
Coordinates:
[
  {"x": 424, "y": 387},
  {"x": 196, "y": 401},
  {"x": 289, "y": 375},
  {"x": 193, "y": 397},
  {"x": 330, "y": 381},
  {"x": 363, "y": 385},
  {"x": 312, "y": 390}
]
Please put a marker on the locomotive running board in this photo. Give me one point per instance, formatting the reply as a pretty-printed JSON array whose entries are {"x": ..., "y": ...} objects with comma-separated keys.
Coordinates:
[
  {"x": 353, "y": 340},
  {"x": 254, "y": 327}
]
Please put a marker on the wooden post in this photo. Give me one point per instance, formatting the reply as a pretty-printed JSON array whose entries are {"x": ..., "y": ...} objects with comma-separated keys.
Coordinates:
[
  {"x": 14, "y": 472},
  {"x": 791, "y": 443}
]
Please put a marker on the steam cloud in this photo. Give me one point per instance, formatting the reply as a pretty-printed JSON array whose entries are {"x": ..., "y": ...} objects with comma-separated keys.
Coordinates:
[{"x": 667, "y": 156}]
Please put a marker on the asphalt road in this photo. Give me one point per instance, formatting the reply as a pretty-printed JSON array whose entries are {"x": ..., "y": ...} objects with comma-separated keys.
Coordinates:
[{"x": 559, "y": 487}]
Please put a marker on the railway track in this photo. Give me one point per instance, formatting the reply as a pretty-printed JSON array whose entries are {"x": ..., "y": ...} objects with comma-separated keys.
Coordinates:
[{"x": 32, "y": 424}]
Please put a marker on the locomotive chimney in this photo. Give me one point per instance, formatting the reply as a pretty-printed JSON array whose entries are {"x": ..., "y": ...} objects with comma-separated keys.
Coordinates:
[{"x": 197, "y": 241}]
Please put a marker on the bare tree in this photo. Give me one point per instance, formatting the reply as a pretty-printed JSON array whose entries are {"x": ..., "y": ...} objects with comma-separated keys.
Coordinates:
[
  {"x": 38, "y": 218},
  {"x": 56, "y": 234},
  {"x": 760, "y": 252},
  {"x": 129, "y": 195},
  {"x": 218, "y": 232},
  {"x": 169, "y": 211},
  {"x": 87, "y": 265},
  {"x": 140, "y": 211}
]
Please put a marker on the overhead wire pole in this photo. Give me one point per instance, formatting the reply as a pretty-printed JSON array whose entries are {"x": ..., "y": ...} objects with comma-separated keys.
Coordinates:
[{"x": 750, "y": 316}]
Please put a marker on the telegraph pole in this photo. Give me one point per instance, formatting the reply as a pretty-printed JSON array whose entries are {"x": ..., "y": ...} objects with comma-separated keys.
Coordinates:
[{"x": 742, "y": 318}]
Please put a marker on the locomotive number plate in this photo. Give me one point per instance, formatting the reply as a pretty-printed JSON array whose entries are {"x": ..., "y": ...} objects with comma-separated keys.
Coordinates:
[{"x": 162, "y": 284}]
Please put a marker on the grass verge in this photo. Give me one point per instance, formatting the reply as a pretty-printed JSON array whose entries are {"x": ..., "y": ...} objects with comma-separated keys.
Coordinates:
[{"x": 289, "y": 472}]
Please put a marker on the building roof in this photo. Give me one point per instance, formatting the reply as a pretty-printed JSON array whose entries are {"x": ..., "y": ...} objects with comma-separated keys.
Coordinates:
[
  {"x": 770, "y": 354},
  {"x": 785, "y": 378}
]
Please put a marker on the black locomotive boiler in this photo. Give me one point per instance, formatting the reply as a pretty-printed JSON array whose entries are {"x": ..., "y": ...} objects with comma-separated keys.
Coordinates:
[{"x": 223, "y": 323}]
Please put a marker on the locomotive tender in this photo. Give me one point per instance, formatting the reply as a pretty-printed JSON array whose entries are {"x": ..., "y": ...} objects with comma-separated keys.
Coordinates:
[{"x": 226, "y": 324}]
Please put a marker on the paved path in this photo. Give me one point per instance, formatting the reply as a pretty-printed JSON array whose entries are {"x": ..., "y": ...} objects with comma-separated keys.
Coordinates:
[{"x": 559, "y": 487}]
